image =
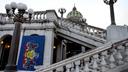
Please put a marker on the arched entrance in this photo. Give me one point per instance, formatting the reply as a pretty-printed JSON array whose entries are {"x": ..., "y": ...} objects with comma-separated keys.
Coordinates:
[{"x": 5, "y": 44}]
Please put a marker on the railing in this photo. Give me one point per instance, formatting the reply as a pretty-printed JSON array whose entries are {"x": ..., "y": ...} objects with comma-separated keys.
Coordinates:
[
  {"x": 100, "y": 59},
  {"x": 98, "y": 32},
  {"x": 84, "y": 28},
  {"x": 37, "y": 17}
]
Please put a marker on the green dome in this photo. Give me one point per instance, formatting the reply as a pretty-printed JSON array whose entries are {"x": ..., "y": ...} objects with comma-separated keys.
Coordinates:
[{"x": 74, "y": 14}]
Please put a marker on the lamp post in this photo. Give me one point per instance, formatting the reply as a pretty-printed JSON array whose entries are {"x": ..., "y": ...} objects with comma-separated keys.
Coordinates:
[
  {"x": 62, "y": 11},
  {"x": 111, "y": 3},
  {"x": 18, "y": 19}
]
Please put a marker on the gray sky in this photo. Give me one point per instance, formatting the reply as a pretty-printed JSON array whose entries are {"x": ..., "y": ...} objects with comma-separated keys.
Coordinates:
[{"x": 95, "y": 11}]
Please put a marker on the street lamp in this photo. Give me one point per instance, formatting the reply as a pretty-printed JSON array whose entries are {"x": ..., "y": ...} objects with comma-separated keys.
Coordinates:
[
  {"x": 18, "y": 19},
  {"x": 111, "y": 3},
  {"x": 62, "y": 11}
]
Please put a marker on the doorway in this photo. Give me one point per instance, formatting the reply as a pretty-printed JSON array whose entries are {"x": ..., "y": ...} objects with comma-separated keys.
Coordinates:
[{"x": 5, "y": 45}]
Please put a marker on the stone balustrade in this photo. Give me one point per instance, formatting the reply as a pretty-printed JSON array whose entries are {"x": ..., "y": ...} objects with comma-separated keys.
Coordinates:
[
  {"x": 98, "y": 32},
  {"x": 101, "y": 59},
  {"x": 37, "y": 17},
  {"x": 84, "y": 28}
]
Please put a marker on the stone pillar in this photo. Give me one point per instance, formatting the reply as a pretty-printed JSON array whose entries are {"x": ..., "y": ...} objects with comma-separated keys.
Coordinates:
[
  {"x": 83, "y": 49},
  {"x": 51, "y": 15},
  {"x": 48, "y": 49},
  {"x": 115, "y": 33},
  {"x": 59, "y": 57},
  {"x": 49, "y": 41},
  {"x": 63, "y": 49}
]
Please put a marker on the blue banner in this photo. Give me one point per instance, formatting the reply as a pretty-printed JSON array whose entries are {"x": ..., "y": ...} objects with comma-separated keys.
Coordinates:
[{"x": 31, "y": 52}]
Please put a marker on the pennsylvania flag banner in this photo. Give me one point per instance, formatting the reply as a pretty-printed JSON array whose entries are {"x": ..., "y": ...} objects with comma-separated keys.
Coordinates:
[{"x": 31, "y": 52}]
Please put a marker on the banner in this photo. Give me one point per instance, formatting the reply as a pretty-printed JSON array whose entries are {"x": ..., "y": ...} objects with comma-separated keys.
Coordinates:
[{"x": 31, "y": 52}]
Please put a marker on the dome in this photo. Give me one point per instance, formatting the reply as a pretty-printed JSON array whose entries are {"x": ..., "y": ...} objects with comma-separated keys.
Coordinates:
[{"x": 74, "y": 14}]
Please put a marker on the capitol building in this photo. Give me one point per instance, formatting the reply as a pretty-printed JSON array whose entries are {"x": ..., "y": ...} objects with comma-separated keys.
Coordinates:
[{"x": 49, "y": 43}]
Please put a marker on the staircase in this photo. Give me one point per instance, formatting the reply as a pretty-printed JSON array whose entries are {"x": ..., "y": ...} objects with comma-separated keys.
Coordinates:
[{"x": 112, "y": 57}]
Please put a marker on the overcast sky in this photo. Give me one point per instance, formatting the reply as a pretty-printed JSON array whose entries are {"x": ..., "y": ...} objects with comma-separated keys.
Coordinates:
[{"x": 95, "y": 11}]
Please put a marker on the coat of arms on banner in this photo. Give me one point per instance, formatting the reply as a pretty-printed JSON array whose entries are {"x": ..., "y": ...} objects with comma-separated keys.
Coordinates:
[{"x": 31, "y": 53}]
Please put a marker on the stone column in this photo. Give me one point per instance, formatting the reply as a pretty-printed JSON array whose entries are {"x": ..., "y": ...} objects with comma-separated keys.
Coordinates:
[
  {"x": 63, "y": 49},
  {"x": 83, "y": 49},
  {"x": 59, "y": 57},
  {"x": 48, "y": 49}
]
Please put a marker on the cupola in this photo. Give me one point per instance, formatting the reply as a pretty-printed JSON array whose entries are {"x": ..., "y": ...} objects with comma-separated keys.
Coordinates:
[{"x": 74, "y": 14}]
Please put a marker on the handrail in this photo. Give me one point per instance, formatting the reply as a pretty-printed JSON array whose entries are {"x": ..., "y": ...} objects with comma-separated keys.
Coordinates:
[
  {"x": 84, "y": 28},
  {"x": 75, "y": 58},
  {"x": 84, "y": 56},
  {"x": 97, "y": 28}
]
